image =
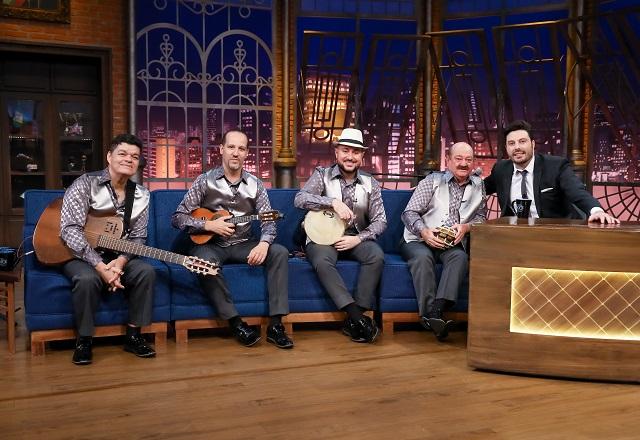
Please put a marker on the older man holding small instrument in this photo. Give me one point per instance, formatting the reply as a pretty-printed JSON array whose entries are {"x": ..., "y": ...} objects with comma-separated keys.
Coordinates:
[
  {"x": 223, "y": 191},
  {"x": 437, "y": 221},
  {"x": 354, "y": 196},
  {"x": 108, "y": 192}
]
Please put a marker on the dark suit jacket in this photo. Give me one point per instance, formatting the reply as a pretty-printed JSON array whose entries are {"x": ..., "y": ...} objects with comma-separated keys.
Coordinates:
[{"x": 551, "y": 174}]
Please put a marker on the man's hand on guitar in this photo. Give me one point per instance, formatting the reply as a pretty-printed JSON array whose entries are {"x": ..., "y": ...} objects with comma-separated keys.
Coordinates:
[
  {"x": 342, "y": 210},
  {"x": 347, "y": 242},
  {"x": 220, "y": 226},
  {"x": 258, "y": 254}
]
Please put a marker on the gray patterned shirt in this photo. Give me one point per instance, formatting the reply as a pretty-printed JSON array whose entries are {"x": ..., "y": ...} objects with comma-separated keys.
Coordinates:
[
  {"x": 75, "y": 207},
  {"x": 311, "y": 197},
  {"x": 417, "y": 206},
  {"x": 182, "y": 219}
]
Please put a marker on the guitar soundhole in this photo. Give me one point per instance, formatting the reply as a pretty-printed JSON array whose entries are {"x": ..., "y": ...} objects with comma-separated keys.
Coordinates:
[{"x": 328, "y": 214}]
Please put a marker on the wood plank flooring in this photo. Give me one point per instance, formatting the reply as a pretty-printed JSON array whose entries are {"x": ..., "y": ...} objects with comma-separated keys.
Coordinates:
[{"x": 404, "y": 387}]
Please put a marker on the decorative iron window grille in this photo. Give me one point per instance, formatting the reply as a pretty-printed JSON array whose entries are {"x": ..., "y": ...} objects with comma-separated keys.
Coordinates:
[{"x": 202, "y": 68}]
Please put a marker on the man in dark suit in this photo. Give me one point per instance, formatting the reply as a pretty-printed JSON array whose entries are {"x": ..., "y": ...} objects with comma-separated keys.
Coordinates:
[{"x": 549, "y": 179}]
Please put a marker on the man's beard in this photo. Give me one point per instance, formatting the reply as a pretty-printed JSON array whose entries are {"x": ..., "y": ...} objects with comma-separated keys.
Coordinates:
[
  {"x": 342, "y": 168},
  {"x": 523, "y": 158}
]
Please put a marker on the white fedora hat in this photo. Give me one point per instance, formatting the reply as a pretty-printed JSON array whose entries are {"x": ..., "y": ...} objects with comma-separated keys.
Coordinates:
[{"x": 351, "y": 137}]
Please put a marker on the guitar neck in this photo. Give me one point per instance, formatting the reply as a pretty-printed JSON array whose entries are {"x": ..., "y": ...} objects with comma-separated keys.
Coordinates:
[
  {"x": 141, "y": 250},
  {"x": 243, "y": 219}
]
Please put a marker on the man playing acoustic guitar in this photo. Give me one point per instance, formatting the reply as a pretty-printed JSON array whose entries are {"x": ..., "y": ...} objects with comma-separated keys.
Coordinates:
[
  {"x": 232, "y": 189},
  {"x": 355, "y": 197},
  {"x": 107, "y": 192}
]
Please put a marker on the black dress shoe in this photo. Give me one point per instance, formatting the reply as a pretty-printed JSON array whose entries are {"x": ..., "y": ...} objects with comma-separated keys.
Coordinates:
[
  {"x": 277, "y": 335},
  {"x": 424, "y": 322},
  {"x": 245, "y": 334},
  {"x": 368, "y": 329},
  {"x": 440, "y": 327},
  {"x": 353, "y": 330},
  {"x": 82, "y": 355},
  {"x": 137, "y": 345}
]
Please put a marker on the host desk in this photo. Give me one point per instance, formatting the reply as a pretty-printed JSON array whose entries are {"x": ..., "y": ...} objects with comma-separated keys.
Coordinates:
[{"x": 555, "y": 297}]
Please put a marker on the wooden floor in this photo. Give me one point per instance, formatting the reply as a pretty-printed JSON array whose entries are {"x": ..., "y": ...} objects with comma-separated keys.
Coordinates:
[{"x": 404, "y": 387}]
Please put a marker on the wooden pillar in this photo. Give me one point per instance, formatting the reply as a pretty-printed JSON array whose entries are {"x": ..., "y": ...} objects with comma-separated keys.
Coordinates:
[
  {"x": 430, "y": 152},
  {"x": 422, "y": 98},
  {"x": 284, "y": 139},
  {"x": 577, "y": 150}
]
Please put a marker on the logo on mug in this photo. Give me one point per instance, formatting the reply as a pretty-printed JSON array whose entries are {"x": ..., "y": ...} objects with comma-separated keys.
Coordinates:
[{"x": 521, "y": 207}]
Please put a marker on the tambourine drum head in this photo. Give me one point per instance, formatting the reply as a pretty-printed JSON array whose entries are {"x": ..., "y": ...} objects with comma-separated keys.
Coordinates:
[{"x": 323, "y": 227}]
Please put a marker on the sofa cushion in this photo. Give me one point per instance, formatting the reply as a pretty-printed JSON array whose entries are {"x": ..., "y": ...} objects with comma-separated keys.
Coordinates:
[
  {"x": 160, "y": 233},
  {"x": 394, "y": 203},
  {"x": 306, "y": 294},
  {"x": 246, "y": 283},
  {"x": 282, "y": 200}
]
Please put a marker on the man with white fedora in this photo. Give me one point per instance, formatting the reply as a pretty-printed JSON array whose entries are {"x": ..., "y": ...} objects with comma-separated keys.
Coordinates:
[{"x": 355, "y": 197}]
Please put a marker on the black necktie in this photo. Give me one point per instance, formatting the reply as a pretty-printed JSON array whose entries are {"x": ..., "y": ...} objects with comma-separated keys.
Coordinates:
[{"x": 523, "y": 183}]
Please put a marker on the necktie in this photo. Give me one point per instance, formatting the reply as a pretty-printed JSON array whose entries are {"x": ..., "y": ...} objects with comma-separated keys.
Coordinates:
[{"x": 523, "y": 183}]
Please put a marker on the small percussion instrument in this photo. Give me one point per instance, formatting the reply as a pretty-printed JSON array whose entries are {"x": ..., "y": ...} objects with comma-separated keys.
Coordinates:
[
  {"x": 447, "y": 235},
  {"x": 323, "y": 227}
]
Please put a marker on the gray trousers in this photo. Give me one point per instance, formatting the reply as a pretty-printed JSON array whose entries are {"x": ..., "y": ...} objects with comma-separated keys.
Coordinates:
[
  {"x": 422, "y": 260},
  {"x": 277, "y": 264},
  {"x": 323, "y": 258},
  {"x": 88, "y": 287}
]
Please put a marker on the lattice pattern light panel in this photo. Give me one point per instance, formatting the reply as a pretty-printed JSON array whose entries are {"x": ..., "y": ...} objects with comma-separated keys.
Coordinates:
[{"x": 574, "y": 303}]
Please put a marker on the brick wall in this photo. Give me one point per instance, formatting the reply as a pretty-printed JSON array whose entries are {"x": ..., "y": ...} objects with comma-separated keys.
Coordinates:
[{"x": 96, "y": 23}]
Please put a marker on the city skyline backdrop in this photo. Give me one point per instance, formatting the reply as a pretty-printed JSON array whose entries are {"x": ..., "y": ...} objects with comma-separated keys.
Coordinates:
[{"x": 194, "y": 82}]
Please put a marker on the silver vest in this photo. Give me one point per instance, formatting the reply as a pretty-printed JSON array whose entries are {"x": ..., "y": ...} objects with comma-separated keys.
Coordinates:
[
  {"x": 102, "y": 202},
  {"x": 438, "y": 208},
  {"x": 362, "y": 194},
  {"x": 219, "y": 196}
]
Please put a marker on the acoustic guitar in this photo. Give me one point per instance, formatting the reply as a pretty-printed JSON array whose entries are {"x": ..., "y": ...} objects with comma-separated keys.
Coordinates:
[
  {"x": 102, "y": 232},
  {"x": 207, "y": 214}
]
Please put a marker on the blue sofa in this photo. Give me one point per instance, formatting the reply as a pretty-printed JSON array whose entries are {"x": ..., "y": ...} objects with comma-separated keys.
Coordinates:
[
  {"x": 47, "y": 292},
  {"x": 178, "y": 296}
]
